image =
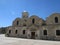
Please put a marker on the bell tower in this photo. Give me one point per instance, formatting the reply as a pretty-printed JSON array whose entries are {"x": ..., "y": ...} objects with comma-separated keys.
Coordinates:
[{"x": 25, "y": 14}]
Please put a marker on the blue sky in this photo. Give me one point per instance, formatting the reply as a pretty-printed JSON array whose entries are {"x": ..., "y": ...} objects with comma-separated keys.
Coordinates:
[{"x": 11, "y": 9}]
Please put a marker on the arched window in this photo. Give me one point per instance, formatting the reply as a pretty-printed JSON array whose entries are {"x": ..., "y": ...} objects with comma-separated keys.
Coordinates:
[
  {"x": 16, "y": 31},
  {"x": 33, "y": 20},
  {"x": 56, "y": 19},
  {"x": 17, "y": 22},
  {"x": 23, "y": 31},
  {"x": 9, "y": 31},
  {"x": 45, "y": 32}
]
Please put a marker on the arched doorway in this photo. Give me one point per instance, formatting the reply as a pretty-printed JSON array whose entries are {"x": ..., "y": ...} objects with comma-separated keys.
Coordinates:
[{"x": 32, "y": 35}]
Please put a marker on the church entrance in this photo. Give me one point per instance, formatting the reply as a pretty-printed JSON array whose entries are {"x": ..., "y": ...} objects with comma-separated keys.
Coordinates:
[{"x": 32, "y": 35}]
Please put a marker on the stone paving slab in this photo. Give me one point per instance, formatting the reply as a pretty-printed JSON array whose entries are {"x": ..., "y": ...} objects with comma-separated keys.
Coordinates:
[{"x": 18, "y": 41}]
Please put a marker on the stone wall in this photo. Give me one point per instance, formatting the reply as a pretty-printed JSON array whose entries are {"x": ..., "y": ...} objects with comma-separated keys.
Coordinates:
[{"x": 38, "y": 26}]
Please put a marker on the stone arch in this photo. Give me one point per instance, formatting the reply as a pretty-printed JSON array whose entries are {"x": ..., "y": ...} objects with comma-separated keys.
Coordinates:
[
  {"x": 17, "y": 22},
  {"x": 35, "y": 20},
  {"x": 53, "y": 19}
]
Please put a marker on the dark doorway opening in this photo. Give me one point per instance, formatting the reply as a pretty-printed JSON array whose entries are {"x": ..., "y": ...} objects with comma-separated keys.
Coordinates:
[
  {"x": 23, "y": 31},
  {"x": 32, "y": 35},
  {"x": 45, "y": 32}
]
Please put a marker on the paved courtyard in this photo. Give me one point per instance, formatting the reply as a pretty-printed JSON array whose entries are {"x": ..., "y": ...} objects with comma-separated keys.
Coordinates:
[{"x": 18, "y": 41}]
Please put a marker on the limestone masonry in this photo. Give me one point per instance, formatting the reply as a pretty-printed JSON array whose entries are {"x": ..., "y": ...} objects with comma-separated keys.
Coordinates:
[{"x": 35, "y": 28}]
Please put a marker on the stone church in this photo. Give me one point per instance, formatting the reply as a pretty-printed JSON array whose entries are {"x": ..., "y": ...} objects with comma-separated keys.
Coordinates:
[{"x": 34, "y": 27}]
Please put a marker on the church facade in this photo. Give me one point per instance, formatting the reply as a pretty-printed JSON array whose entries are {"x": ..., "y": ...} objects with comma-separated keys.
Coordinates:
[{"x": 34, "y": 27}]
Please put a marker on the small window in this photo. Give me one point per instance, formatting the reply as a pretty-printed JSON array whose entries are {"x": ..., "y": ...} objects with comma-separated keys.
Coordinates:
[
  {"x": 23, "y": 31},
  {"x": 33, "y": 20},
  {"x": 17, "y": 22},
  {"x": 45, "y": 32},
  {"x": 9, "y": 31},
  {"x": 56, "y": 19},
  {"x": 58, "y": 32},
  {"x": 24, "y": 24},
  {"x": 16, "y": 32}
]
